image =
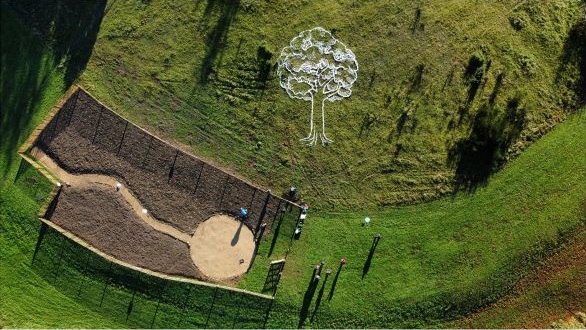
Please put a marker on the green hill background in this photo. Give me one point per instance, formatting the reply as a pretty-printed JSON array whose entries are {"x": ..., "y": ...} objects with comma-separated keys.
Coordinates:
[
  {"x": 190, "y": 71},
  {"x": 447, "y": 91}
]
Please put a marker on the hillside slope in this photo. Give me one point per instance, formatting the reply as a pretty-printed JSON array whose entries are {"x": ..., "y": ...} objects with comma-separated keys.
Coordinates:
[{"x": 446, "y": 90}]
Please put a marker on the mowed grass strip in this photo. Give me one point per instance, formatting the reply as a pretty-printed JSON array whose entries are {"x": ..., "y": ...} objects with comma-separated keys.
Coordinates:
[
  {"x": 448, "y": 257},
  {"x": 555, "y": 291}
]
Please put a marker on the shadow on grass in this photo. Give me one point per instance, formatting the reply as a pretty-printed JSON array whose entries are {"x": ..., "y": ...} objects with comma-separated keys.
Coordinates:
[
  {"x": 309, "y": 293},
  {"x": 368, "y": 262},
  {"x": 216, "y": 39},
  {"x": 476, "y": 157},
  {"x": 574, "y": 54},
  {"x": 333, "y": 288},
  {"x": 38, "y": 37},
  {"x": 276, "y": 234},
  {"x": 319, "y": 297}
]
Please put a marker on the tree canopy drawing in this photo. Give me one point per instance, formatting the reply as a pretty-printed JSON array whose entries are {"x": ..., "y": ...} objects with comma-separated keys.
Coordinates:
[{"x": 317, "y": 67}]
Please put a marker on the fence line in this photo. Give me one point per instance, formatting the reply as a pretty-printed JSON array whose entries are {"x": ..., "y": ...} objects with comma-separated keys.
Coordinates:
[
  {"x": 139, "y": 298},
  {"x": 105, "y": 125},
  {"x": 72, "y": 111}
]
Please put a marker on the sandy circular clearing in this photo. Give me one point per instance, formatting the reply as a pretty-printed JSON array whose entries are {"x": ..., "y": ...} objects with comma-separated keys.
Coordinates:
[{"x": 218, "y": 244}]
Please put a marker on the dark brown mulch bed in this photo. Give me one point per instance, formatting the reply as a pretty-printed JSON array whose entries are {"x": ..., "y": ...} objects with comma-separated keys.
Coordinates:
[
  {"x": 101, "y": 217},
  {"x": 180, "y": 205}
]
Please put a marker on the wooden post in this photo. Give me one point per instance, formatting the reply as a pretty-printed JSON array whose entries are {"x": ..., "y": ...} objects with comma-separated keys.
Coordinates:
[{"x": 198, "y": 177}]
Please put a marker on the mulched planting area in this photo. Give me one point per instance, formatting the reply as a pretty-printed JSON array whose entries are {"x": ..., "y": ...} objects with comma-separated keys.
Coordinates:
[
  {"x": 101, "y": 217},
  {"x": 177, "y": 188},
  {"x": 181, "y": 205}
]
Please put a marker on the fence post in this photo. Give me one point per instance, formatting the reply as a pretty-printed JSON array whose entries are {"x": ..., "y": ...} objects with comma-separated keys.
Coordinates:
[
  {"x": 198, "y": 177},
  {"x": 21, "y": 168},
  {"x": 264, "y": 326},
  {"x": 211, "y": 307},
  {"x": 98, "y": 125},
  {"x": 56, "y": 118},
  {"x": 87, "y": 259},
  {"x": 106, "y": 283},
  {"x": 130, "y": 306},
  {"x": 280, "y": 212},
  {"x": 252, "y": 199},
  {"x": 148, "y": 151},
  {"x": 224, "y": 190},
  {"x": 53, "y": 205},
  {"x": 263, "y": 212},
  {"x": 236, "y": 318},
  {"x": 184, "y": 307},
  {"x": 60, "y": 256},
  {"x": 42, "y": 233},
  {"x": 158, "y": 304},
  {"x": 73, "y": 107},
  {"x": 122, "y": 140},
  {"x": 172, "y": 169}
]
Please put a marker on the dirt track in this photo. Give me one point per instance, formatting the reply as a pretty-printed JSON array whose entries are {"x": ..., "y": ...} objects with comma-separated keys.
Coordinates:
[
  {"x": 85, "y": 181},
  {"x": 113, "y": 221}
]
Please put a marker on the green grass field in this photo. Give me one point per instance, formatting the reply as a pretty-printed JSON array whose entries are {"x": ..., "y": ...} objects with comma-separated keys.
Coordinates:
[
  {"x": 435, "y": 262},
  {"x": 192, "y": 71}
]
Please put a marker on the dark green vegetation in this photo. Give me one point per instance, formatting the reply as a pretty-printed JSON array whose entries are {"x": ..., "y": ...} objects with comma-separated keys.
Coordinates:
[
  {"x": 446, "y": 91},
  {"x": 30, "y": 86},
  {"x": 435, "y": 261}
]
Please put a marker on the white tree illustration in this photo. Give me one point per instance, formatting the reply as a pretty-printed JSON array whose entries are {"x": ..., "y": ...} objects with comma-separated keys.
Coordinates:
[{"x": 317, "y": 67}]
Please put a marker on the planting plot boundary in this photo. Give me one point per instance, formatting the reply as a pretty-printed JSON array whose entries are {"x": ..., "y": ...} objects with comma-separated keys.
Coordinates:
[{"x": 274, "y": 209}]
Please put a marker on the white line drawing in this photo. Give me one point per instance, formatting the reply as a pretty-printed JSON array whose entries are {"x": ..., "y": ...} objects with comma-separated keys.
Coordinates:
[{"x": 317, "y": 65}]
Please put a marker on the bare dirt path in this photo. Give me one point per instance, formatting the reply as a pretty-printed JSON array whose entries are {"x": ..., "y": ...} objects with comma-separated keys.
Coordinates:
[
  {"x": 86, "y": 180},
  {"x": 222, "y": 247}
]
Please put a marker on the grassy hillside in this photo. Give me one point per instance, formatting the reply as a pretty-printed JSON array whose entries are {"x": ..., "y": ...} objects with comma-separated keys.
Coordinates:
[
  {"x": 446, "y": 92},
  {"x": 554, "y": 292},
  {"x": 435, "y": 261},
  {"x": 30, "y": 85},
  {"x": 449, "y": 257}
]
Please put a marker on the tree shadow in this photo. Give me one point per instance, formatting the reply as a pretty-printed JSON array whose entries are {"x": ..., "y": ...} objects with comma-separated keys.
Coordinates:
[
  {"x": 216, "y": 39},
  {"x": 69, "y": 27},
  {"x": 417, "y": 78},
  {"x": 574, "y": 54},
  {"x": 479, "y": 155},
  {"x": 37, "y": 38},
  {"x": 416, "y": 24}
]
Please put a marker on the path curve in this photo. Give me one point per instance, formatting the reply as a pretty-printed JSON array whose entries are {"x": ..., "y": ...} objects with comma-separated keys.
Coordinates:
[
  {"x": 221, "y": 247},
  {"x": 86, "y": 180}
]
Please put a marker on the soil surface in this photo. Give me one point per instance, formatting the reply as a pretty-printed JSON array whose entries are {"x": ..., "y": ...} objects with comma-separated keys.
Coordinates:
[
  {"x": 172, "y": 201},
  {"x": 102, "y": 217},
  {"x": 222, "y": 247}
]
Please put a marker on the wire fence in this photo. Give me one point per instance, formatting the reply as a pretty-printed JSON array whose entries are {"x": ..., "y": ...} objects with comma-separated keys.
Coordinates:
[
  {"x": 204, "y": 184},
  {"x": 138, "y": 299}
]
